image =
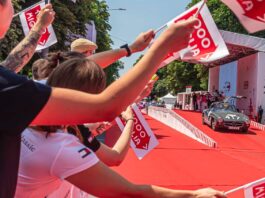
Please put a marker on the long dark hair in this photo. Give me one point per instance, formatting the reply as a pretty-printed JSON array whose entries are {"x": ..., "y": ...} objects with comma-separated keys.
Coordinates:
[{"x": 79, "y": 74}]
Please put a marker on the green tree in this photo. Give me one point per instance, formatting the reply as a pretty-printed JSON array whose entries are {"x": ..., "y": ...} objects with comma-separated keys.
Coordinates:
[
  {"x": 177, "y": 75},
  {"x": 71, "y": 18}
]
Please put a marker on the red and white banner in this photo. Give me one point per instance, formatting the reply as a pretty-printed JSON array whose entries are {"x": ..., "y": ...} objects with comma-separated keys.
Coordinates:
[
  {"x": 251, "y": 13},
  {"x": 143, "y": 139},
  {"x": 206, "y": 43},
  {"x": 255, "y": 189},
  {"x": 29, "y": 17}
]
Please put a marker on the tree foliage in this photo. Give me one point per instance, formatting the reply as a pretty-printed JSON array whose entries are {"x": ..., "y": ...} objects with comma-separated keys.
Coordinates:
[
  {"x": 175, "y": 76},
  {"x": 71, "y": 18}
]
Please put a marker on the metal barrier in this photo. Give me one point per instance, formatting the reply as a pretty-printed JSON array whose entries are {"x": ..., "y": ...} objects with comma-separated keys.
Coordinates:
[{"x": 257, "y": 125}]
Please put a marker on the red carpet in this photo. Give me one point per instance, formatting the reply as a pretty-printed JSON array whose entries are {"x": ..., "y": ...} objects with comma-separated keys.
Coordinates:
[
  {"x": 182, "y": 163},
  {"x": 248, "y": 148}
]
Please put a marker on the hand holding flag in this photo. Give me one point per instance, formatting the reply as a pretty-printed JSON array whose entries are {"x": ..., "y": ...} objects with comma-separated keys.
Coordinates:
[
  {"x": 205, "y": 43},
  {"x": 143, "y": 139},
  {"x": 179, "y": 32},
  {"x": 39, "y": 18},
  {"x": 142, "y": 41},
  {"x": 45, "y": 17}
]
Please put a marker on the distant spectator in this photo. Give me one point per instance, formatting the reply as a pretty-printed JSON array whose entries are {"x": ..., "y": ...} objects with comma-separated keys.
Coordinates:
[
  {"x": 83, "y": 46},
  {"x": 216, "y": 95},
  {"x": 204, "y": 102},
  {"x": 199, "y": 102},
  {"x": 194, "y": 101},
  {"x": 208, "y": 99},
  {"x": 260, "y": 114}
]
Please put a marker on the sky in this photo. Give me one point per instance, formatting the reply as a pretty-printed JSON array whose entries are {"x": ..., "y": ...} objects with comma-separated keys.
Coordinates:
[{"x": 140, "y": 16}]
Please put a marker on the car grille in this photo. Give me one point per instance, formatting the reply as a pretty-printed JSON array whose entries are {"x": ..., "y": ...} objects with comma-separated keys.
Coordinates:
[{"x": 235, "y": 124}]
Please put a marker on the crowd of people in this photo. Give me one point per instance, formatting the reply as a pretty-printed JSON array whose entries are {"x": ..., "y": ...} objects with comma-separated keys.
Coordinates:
[
  {"x": 43, "y": 139},
  {"x": 204, "y": 101}
]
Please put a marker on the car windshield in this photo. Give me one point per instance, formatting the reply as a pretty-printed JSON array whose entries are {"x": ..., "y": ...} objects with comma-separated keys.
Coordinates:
[{"x": 225, "y": 107}]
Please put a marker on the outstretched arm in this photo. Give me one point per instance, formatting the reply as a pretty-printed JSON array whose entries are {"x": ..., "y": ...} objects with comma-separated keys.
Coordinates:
[
  {"x": 23, "y": 52},
  {"x": 73, "y": 107},
  {"x": 104, "y": 59},
  {"x": 146, "y": 91},
  {"x": 114, "y": 156},
  {"x": 101, "y": 181}
]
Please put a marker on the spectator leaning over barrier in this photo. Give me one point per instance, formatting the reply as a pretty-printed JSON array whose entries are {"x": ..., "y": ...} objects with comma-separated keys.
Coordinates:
[
  {"x": 47, "y": 159},
  {"x": 24, "y": 102},
  {"x": 83, "y": 75},
  {"x": 76, "y": 77},
  {"x": 20, "y": 99},
  {"x": 110, "y": 156}
]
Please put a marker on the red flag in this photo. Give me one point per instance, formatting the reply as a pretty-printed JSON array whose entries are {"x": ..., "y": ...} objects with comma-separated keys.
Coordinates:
[
  {"x": 143, "y": 139},
  {"x": 206, "y": 43},
  {"x": 251, "y": 13},
  {"x": 28, "y": 19},
  {"x": 255, "y": 189}
]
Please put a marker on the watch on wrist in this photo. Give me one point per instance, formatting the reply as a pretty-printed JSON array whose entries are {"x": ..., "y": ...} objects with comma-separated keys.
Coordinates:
[{"x": 129, "y": 52}]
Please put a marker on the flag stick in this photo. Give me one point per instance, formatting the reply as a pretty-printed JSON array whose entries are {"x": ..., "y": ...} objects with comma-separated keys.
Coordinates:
[
  {"x": 27, "y": 9},
  {"x": 244, "y": 186},
  {"x": 234, "y": 190},
  {"x": 161, "y": 28},
  {"x": 196, "y": 15},
  {"x": 200, "y": 9}
]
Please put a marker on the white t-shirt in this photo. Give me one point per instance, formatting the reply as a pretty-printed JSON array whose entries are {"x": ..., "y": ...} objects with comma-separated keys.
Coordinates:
[{"x": 46, "y": 161}]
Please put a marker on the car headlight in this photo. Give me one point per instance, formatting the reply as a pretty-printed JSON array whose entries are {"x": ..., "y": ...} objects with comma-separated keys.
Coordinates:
[
  {"x": 220, "y": 120},
  {"x": 247, "y": 121}
]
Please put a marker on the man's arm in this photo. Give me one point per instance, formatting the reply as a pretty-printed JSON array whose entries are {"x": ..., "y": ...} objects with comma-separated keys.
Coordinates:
[
  {"x": 104, "y": 59},
  {"x": 146, "y": 91},
  {"x": 23, "y": 52}
]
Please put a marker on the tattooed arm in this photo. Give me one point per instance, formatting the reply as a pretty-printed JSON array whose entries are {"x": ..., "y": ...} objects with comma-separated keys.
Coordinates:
[{"x": 23, "y": 52}]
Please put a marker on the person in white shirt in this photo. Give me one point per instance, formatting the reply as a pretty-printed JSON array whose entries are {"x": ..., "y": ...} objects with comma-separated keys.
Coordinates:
[{"x": 49, "y": 158}]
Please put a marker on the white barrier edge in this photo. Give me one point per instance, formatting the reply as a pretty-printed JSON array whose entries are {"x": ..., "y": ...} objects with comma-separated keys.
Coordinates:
[
  {"x": 160, "y": 114},
  {"x": 257, "y": 125}
]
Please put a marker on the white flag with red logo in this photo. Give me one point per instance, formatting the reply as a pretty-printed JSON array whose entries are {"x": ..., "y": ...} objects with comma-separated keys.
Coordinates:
[
  {"x": 255, "y": 189},
  {"x": 143, "y": 139},
  {"x": 29, "y": 17},
  {"x": 206, "y": 43},
  {"x": 251, "y": 13}
]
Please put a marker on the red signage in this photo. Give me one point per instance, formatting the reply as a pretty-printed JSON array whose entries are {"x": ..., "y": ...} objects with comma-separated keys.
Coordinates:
[
  {"x": 31, "y": 18},
  {"x": 140, "y": 136},
  {"x": 201, "y": 42},
  {"x": 259, "y": 191},
  {"x": 254, "y": 9}
]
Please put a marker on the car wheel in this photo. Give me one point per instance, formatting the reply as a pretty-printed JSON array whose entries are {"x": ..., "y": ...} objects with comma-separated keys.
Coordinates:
[
  {"x": 244, "y": 130},
  {"x": 213, "y": 124},
  {"x": 203, "y": 123}
]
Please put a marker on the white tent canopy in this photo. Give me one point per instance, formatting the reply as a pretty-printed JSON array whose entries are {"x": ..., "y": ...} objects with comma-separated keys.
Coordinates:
[
  {"x": 168, "y": 96},
  {"x": 169, "y": 100}
]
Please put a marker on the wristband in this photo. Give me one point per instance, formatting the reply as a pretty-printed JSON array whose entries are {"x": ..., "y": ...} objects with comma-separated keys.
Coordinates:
[
  {"x": 129, "y": 119},
  {"x": 129, "y": 53}
]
